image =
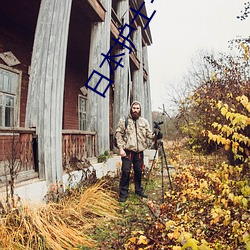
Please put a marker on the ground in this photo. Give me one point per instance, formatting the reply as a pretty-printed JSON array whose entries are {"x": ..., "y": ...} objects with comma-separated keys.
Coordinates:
[{"x": 137, "y": 215}]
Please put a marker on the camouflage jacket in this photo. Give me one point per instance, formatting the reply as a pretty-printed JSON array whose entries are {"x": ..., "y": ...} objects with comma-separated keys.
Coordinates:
[{"x": 136, "y": 134}]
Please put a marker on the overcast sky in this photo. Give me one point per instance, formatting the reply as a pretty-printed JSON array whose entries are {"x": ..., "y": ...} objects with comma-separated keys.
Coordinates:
[{"x": 181, "y": 28}]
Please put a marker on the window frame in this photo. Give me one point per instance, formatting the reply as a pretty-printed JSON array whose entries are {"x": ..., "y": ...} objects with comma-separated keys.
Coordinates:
[
  {"x": 17, "y": 96},
  {"x": 79, "y": 112}
]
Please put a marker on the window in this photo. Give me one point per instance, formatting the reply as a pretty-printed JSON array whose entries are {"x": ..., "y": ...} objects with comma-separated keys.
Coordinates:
[
  {"x": 82, "y": 101},
  {"x": 9, "y": 97}
]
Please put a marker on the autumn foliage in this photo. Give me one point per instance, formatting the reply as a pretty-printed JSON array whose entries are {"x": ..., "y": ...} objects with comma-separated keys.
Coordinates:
[
  {"x": 235, "y": 134},
  {"x": 208, "y": 208},
  {"x": 209, "y": 205},
  {"x": 223, "y": 78}
]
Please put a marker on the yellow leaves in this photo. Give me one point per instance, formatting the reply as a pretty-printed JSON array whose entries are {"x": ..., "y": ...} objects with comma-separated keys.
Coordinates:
[
  {"x": 246, "y": 51},
  {"x": 244, "y": 203},
  {"x": 227, "y": 219},
  {"x": 236, "y": 226},
  {"x": 245, "y": 191},
  {"x": 246, "y": 239},
  {"x": 227, "y": 146},
  {"x": 184, "y": 237},
  {"x": 138, "y": 239},
  {"x": 204, "y": 245},
  {"x": 238, "y": 199},
  {"x": 208, "y": 198},
  {"x": 219, "y": 214},
  {"x": 169, "y": 224},
  {"x": 185, "y": 218},
  {"x": 224, "y": 202},
  {"x": 231, "y": 196},
  {"x": 176, "y": 248},
  {"x": 214, "y": 77},
  {"x": 142, "y": 240},
  {"x": 201, "y": 211},
  {"x": 175, "y": 235},
  {"x": 191, "y": 243},
  {"x": 216, "y": 215},
  {"x": 224, "y": 111},
  {"x": 229, "y": 135},
  {"x": 133, "y": 240},
  {"x": 203, "y": 184}
]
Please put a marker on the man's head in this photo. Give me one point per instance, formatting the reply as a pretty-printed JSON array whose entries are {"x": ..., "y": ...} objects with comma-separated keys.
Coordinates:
[{"x": 135, "y": 110}]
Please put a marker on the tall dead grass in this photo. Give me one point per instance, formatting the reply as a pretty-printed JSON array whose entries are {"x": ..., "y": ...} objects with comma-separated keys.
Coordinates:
[{"x": 62, "y": 225}]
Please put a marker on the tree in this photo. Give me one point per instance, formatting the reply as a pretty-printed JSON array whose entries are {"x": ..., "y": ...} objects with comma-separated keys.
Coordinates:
[
  {"x": 246, "y": 12},
  {"x": 220, "y": 78}
]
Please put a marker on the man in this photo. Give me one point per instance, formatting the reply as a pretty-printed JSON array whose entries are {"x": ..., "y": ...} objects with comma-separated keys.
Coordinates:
[{"x": 131, "y": 142}]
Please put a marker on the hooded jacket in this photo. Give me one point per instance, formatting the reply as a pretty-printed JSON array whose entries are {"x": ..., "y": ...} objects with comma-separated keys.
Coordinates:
[{"x": 136, "y": 134}]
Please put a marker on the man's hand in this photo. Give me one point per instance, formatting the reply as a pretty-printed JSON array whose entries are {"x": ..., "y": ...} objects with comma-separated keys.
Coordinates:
[{"x": 122, "y": 152}]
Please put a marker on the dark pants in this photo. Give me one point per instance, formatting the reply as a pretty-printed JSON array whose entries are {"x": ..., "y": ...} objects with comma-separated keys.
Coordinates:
[{"x": 135, "y": 158}]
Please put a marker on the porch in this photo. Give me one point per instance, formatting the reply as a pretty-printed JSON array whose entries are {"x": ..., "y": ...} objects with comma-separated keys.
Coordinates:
[{"x": 19, "y": 152}]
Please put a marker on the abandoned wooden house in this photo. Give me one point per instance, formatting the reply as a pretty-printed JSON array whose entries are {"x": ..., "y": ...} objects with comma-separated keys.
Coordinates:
[{"x": 48, "y": 50}]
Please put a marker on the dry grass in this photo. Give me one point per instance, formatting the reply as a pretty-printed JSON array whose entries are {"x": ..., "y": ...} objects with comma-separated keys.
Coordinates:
[{"x": 62, "y": 225}]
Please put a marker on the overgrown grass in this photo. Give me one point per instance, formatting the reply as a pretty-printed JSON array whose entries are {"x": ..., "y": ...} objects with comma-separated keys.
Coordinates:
[{"x": 62, "y": 225}]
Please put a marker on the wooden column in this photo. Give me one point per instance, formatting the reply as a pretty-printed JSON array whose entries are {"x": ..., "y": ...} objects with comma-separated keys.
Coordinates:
[
  {"x": 45, "y": 96},
  {"x": 98, "y": 106},
  {"x": 147, "y": 91},
  {"x": 137, "y": 76},
  {"x": 122, "y": 75}
]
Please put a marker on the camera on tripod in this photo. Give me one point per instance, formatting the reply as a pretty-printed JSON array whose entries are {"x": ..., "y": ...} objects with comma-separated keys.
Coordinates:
[
  {"x": 159, "y": 148},
  {"x": 157, "y": 125},
  {"x": 157, "y": 131}
]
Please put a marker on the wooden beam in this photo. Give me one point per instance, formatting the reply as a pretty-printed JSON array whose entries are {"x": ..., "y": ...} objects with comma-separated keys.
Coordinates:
[
  {"x": 114, "y": 29},
  {"x": 146, "y": 38},
  {"x": 17, "y": 130},
  {"x": 77, "y": 132},
  {"x": 92, "y": 9},
  {"x": 145, "y": 74},
  {"x": 135, "y": 63}
]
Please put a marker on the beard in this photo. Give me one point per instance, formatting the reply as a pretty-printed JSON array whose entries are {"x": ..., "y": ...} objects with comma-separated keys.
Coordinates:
[{"x": 135, "y": 115}]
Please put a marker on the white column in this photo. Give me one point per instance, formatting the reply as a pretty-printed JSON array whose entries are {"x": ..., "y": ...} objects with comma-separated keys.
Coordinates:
[
  {"x": 98, "y": 106},
  {"x": 122, "y": 75},
  {"x": 137, "y": 77},
  {"x": 45, "y": 95},
  {"x": 147, "y": 97}
]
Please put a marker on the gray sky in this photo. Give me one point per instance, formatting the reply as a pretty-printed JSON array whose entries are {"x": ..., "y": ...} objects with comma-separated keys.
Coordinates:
[{"x": 180, "y": 29}]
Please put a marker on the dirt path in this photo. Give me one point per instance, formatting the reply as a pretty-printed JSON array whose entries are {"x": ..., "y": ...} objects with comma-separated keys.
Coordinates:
[{"x": 137, "y": 214}]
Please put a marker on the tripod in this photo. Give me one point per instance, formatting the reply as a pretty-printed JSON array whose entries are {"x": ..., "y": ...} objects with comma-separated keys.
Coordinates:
[{"x": 159, "y": 148}]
